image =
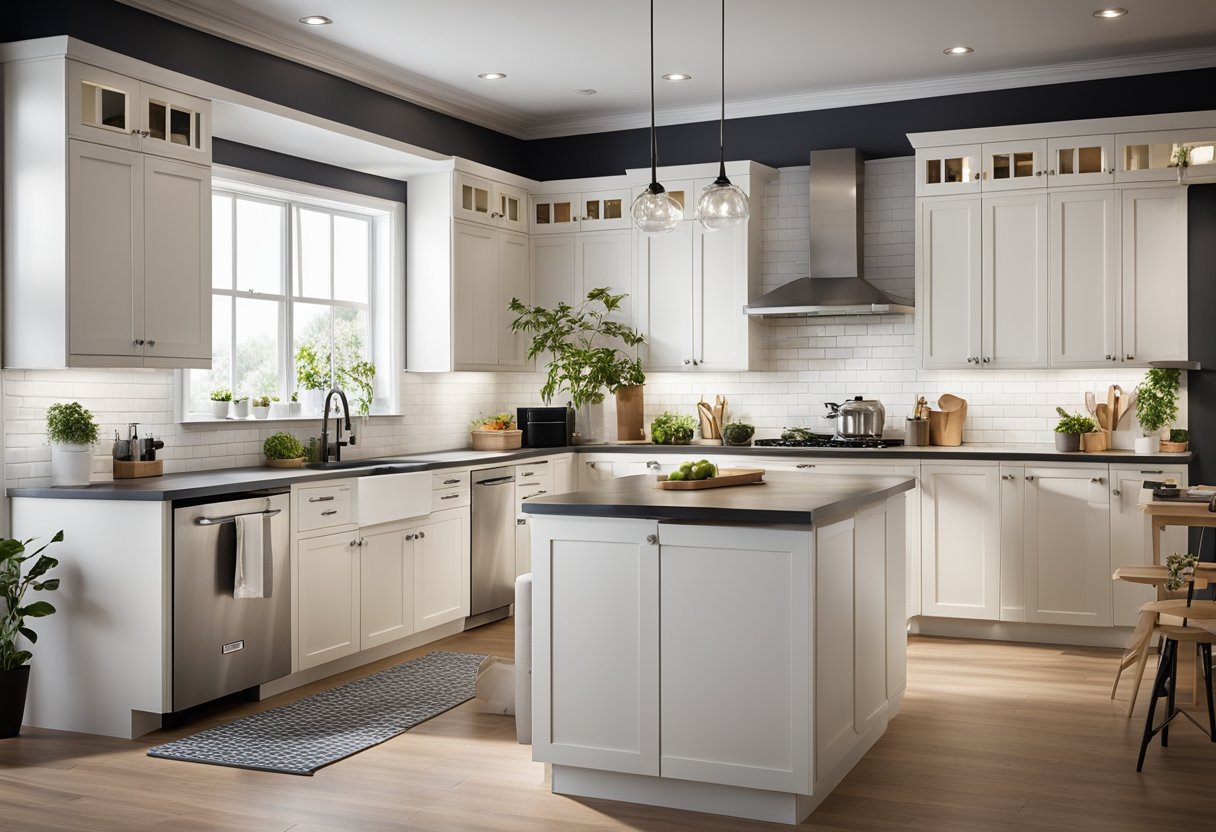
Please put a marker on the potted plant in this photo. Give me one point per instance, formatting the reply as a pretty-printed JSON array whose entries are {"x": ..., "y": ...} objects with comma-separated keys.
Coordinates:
[
  {"x": 279, "y": 409},
  {"x": 312, "y": 373},
  {"x": 72, "y": 432},
  {"x": 1069, "y": 429},
  {"x": 672, "y": 428},
  {"x": 260, "y": 406},
  {"x": 221, "y": 397},
  {"x": 16, "y": 578},
  {"x": 240, "y": 407},
  {"x": 1156, "y": 407},
  {"x": 737, "y": 433},
  {"x": 1177, "y": 443},
  {"x": 293, "y": 406},
  {"x": 282, "y": 450},
  {"x": 585, "y": 359}
]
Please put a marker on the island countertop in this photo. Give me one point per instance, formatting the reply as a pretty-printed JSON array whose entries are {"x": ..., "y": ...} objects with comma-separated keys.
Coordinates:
[{"x": 784, "y": 498}]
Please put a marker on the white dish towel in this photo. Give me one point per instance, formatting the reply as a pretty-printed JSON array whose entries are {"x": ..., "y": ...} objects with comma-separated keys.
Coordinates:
[{"x": 252, "y": 535}]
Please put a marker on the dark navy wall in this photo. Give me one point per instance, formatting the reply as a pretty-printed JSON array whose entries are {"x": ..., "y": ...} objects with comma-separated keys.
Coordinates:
[
  {"x": 1201, "y": 333},
  {"x": 246, "y": 157}
]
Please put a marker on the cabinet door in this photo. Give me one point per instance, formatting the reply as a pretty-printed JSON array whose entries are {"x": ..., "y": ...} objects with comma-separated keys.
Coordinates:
[
  {"x": 941, "y": 171},
  {"x": 604, "y": 259},
  {"x": 475, "y": 275},
  {"x": 1013, "y": 568},
  {"x": 563, "y": 475},
  {"x": 511, "y": 208},
  {"x": 1067, "y": 546},
  {"x": 1152, "y": 156},
  {"x": 175, "y": 124},
  {"x": 1131, "y": 542},
  {"x": 1014, "y": 281},
  {"x": 665, "y": 272},
  {"x": 720, "y": 330},
  {"x": 386, "y": 581},
  {"x": 960, "y": 552},
  {"x": 1080, "y": 160},
  {"x": 103, "y": 106},
  {"x": 554, "y": 279},
  {"x": 1083, "y": 278},
  {"x": 949, "y": 282},
  {"x": 441, "y": 576},
  {"x": 473, "y": 199},
  {"x": 177, "y": 264},
  {"x": 763, "y": 577},
  {"x": 605, "y": 210},
  {"x": 555, "y": 213},
  {"x": 106, "y": 252},
  {"x": 327, "y": 603},
  {"x": 1154, "y": 275},
  {"x": 595, "y": 602},
  {"x": 514, "y": 281},
  {"x": 1012, "y": 166}
]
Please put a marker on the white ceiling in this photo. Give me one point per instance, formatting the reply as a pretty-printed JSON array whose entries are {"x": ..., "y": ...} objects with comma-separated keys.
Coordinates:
[{"x": 782, "y": 55}]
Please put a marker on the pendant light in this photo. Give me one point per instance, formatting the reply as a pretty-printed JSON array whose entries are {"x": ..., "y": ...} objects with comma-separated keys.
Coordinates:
[
  {"x": 654, "y": 211},
  {"x": 722, "y": 204}
]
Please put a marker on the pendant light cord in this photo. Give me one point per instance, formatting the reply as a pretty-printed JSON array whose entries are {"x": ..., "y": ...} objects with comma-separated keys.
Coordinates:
[
  {"x": 654, "y": 141},
  {"x": 722, "y": 120}
]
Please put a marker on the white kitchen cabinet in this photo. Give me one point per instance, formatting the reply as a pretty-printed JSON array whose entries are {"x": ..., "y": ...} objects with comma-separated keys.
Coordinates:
[
  {"x": 944, "y": 171},
  {"x": 567, "y": 266},
  {"x": 1013, "y": 294},
  {"x": 1080, "y": 160},
  {"x": 441, "y": 568},
  {"x": 112, "y": 109},
  {"x": 327, "y": 599},
  {"x": 1066, "y": 545},
  {"x": 532, "y": 479},
  {"x": 949, "y": 289},
  {"x": 386, "y": 587},
  {"x": 598, "y": 210},
  {"x": 961, "y": 540},
  {"x": 1154, "y": 321},
  {"x": 1013, "y": 165},
  {"x": 486, "y": 202},
  {"x": 1150, "y": 156},
  {"x": 490, "y": 267},
  {"x": 1083, "y": 276},
  {"x": 1013, "y": 509},
  {"x": 1131, "y": 542}
]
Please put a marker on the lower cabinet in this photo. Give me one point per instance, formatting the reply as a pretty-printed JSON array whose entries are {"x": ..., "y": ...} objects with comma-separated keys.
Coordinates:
[
  {"x": 960, "y": 540},
  {"x": 1131, "y": 536},
  {"x": 366, "y": 587}
]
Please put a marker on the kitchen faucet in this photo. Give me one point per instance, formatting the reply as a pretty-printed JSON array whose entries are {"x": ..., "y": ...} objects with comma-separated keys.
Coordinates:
[{"x": 323, "y": 454}]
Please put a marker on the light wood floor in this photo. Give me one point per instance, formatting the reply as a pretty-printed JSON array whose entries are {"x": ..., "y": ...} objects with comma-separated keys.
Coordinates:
[{"x": 992, "y": 737}]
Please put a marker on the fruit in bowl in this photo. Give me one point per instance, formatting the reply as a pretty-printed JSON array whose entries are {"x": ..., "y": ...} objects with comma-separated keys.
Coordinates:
[
  {"x": 499, "y": 421},
  {"x": 702, "y": 469}
]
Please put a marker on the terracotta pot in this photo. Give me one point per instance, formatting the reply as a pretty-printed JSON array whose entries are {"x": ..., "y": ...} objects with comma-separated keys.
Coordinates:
[{"x": 630, "y": 422}]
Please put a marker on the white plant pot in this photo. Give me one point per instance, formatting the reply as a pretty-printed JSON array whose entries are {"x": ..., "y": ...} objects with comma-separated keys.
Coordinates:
[
  {"x": 1148, "y": 444},
  {"x": 261, "y": 412},
  {"x": 240, "y": 410},
  {"x": 219, "y": 410},
  {"x": 70, "y": 464},
  {"x": 279, "y": 410},
  {"x": 295, "y": 409}
]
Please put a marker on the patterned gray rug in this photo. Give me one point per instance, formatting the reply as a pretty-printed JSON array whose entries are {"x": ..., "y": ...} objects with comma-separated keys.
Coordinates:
[{"x": 302, "y": 736}]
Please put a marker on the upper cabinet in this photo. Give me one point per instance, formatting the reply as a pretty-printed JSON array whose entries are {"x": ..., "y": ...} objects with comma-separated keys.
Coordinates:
[
  {"x": 1080, "y": 160},
  {"x": 1166, "y": 155},
  {"x": 490, "y": 267},
  {"x": 588, "y": 211},
  {"x": 941, "y": 171},
  {"x": 108, "y": 226},
  {"x": 490, "y": 203},
  {"x": 1013, "y": 166},
  {"x": 112, "y": 109}
]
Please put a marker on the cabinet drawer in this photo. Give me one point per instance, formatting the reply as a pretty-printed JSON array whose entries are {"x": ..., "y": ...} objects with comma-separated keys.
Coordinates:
[
  {"x": 524, "y": 492},
  {"x": 531, "y": 472},
  {"x": 450, "y": 479},
  {"x": 322, "y": 507},
  {"x": 449, "y": 498}
]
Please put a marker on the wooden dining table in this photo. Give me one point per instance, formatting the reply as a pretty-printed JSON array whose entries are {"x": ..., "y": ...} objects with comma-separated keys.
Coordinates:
[{"x": 1162, "y": 513}]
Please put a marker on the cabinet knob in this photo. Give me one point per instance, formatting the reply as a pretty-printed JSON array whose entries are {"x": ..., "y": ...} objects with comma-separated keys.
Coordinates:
[
  {"x": 696, "y": 363},
  {"x": 987, "y": 359},
  {"x": 1129, "y": 358},
  {"x": 151, "y": 343},
  {"x": 1051, "y": 172},
  {"x": 1110, "y": 357},
  {"x": 521, "y": 521},
  {"x": 1029, "y": 478},
  {"x": 134, "y": 131},
  {"x": 139, "y": 342},
  {"x": 686, "y": 362},
  {"x": 969, "y": 359},
  {"x": 421, "y": 535},
  {"x": 1007, "y": 476},
  {"x": 1097, "y": 480},
  {"x": 652, "y": 539},
  {"x": 353, "y": 543},
  {"x": 1116, "y": 492},
  {"x": 977, "y": 176},
  {"x": 1038, "y": 173}
]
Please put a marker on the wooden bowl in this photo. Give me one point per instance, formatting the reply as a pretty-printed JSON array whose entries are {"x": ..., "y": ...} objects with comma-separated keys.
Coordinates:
[
  {"x": 496, "y": 440},
  {"x": 1168, "y": 447},
  {"x": 297, "y": 462}
]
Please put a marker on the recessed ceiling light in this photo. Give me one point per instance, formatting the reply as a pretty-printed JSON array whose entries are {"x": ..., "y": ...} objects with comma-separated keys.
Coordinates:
[
  {"x": 492, "y": 76},
  {"x": 958, "y": 50},
  {"x": 1110, "y": 13},
  {"x": 315, "y": 20},
  {"x": 677, "y": 76},
  {"x": 587, "y": 91}
]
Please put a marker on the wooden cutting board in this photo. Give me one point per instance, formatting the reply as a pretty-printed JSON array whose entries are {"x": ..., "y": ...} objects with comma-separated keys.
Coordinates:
[{"x": 726, "y": 476}]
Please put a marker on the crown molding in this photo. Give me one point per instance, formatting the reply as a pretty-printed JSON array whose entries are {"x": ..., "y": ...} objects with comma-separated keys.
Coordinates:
[{"x": 259, "y": 32}]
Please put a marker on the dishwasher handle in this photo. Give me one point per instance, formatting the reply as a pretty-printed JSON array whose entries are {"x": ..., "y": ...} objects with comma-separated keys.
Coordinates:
[{"x": 495, "y": 481}]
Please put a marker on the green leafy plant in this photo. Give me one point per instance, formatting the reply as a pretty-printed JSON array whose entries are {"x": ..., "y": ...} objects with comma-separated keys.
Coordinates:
[
  {"x": 1181, "y": 157},
  {"x": 283, "y": 445},
  {"x": 361, "y": 374},
  {"x": 238, "y": 399},
  {"x": 13, "y": 586},
  {"x": 311, "y": 371},
  {"x": 221, "y": 394},
  {"x": 1157, "y": 399},
  {"x": 295, "y": 396},
  {"x": 1179, "y": 435},
  {"x": 1074, "y": 422},
  {"x": 672, "y": 428},
  {"x": 582, "y": 363},
  {"x": 1177, "y": 567},
  {"x": 70, "y": 424},
  {"x": 313, "y": 451},
  {"x": 498, "y": 421},
  {"x": 261, "y": 401},
  {"x": 737, "y": 433}
]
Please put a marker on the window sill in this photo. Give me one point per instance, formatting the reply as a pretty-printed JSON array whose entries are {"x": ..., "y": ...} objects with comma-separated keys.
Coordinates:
[{"x": 193, "y": 419}]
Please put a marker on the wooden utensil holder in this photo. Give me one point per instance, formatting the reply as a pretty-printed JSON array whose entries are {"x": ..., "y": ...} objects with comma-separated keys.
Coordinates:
[
  {"x": 946, "y": 426},
  {"x": 1098, "y": 440},
  {"x": 128, "y": 470}
]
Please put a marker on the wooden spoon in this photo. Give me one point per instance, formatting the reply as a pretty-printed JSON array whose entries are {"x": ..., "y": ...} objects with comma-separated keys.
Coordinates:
[
  {"x": 1102, "y": 414},
  {"x": 1090, "y": 401}
]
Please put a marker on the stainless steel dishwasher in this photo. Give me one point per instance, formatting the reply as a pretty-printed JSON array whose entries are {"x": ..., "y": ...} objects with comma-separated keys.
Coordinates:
[
  {"x": 223, "y": 644},
  {"x": 492, "y": 572}
]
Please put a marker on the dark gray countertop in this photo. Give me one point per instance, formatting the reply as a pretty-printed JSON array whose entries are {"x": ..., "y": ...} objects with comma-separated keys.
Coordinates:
[
  {"x": 233, "y": 480},
  {"x": 784, "y": 498}
]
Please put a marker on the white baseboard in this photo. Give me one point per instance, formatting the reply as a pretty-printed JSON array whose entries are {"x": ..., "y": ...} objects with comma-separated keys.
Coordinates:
[{"x": 1020, "y": 631}]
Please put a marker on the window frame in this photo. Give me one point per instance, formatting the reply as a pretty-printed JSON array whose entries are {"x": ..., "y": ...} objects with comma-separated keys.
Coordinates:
[{"x": 386, "y": 294}]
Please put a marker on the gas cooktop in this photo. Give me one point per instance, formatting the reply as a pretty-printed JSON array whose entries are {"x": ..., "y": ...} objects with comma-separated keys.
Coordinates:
[{"x": 824, "y": 440}]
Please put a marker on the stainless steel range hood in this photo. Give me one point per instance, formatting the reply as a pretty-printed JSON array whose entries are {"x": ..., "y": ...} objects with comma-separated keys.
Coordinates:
[{"x": 835, "y": 285}]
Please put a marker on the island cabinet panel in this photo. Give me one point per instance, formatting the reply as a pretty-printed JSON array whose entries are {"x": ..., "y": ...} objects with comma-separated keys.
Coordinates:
[
  {"x": 596, "y": 686},
  {"x": 734, "y": 687},
  {"x": 961, "y": 547}
]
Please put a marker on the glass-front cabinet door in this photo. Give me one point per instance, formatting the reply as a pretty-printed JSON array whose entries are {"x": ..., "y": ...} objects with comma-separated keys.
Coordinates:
[
  {"x": 948, "y": 170},
  {"x": 1010, "y": 166},
  {"x": 1080, "y": 160},
  {"x": 555, "y": 213},
  {"x": 511, "y": 207},
  {"x": 603, "y": 210},
  {"x": 174, "y": 124},
  {"x": 1165, "y": 155},
  {"x": 103, "y": 106},
  {"x": 473, "y": 198}
]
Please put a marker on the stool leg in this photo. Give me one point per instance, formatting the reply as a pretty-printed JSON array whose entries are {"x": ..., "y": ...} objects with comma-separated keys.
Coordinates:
[
  {"x": 1159, "y": 683},
  {"x": 1146, "y": 619},
  {"x": 1137, "y": 647},
  {"x": 1206, "y": 651},
  {"x": 1171, "y": 650}
]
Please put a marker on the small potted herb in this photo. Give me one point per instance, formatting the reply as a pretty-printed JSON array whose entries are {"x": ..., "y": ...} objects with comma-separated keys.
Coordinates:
[
  {"x": 72, "y": 432},
  {"x": 261, "y": 407},
  {"x": 672, "y": 428},
  {"x": 240, "y": 407},
  {"x": 19, "y": 573},
  {"x": 282, "y": 450},
  {"x": 738, "y": 433},
  {"x": 1069, "y": 429},
  {"x": 1177, "y": 443},
  {"x": 279, "y": 409},
  {"x": 221, "y": 397},
  {"x": 1156, "y": 407}
]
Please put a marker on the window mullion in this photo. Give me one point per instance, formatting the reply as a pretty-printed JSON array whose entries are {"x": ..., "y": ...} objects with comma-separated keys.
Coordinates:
[{"x": 232, "y": 300}]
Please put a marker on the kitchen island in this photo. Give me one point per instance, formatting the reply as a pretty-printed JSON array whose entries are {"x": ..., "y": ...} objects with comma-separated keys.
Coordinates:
[{"x": 732, "y": 650}]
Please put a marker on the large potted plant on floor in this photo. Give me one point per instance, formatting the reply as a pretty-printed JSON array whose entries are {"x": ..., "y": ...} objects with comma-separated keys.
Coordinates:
[
  {"x": 1156, "y": 407},
  {"x": 586, "y": 357},
  {"x": 72, "y": 433},
  {"x": 14, "y": 672}
]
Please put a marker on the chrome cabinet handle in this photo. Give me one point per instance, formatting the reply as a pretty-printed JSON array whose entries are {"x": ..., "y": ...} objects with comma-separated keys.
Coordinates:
[
  {"x": 805, "y": 465},
  {"x": 977, "y": 176},
  {"x": 320, "y": 499},
  {"x": 1038, "y": 173},
  {"x": 533, "y": 494},
  {"x": 1097, "y": 480},
  {"x": 686, "y": 362},
  {"x": 1051, "y": 172},
  {"x": 1116, "y": 492},
  {"x": 449, "y": 496},
  {"x": 1129, "y": 358},
  {"x": 421, "y": 535},
  {"x": 139, "y": 342},
  {"x": 409, "y": 537},
  {"x": 987, "y": 360},
  {"x": 451, "y": 482},
  {"x": 353, "y": 543},
  {"x": 1154, "y": 471},
  {"x": 528, "y": 474},
  {"x": 652, "y": 539},
  {"x": 1029, "y": 478},
  {"x": 151, "y": 343},
  {"x": 329, "y": 512},
  {"x": 696, "y": 363},
  {"x": 521, "y": 521},
  {"x": 1006, "y": 476},
  {"x": 969, "y": 359}
]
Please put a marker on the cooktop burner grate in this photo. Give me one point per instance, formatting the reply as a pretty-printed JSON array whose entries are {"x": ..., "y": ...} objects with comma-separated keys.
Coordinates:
[{"x": 823, "y": 440}]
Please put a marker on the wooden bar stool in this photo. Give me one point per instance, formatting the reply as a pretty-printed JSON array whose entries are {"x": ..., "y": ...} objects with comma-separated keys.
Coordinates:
[{"x": 1166, "y": 683}]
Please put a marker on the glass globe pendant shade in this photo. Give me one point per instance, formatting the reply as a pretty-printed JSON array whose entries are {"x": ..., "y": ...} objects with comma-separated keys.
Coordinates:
[
  {"x": 655, "y": 212},
  {"x": 722, "y": 205}
]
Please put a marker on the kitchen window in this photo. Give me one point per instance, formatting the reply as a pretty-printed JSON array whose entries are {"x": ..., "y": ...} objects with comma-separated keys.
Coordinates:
[{"x": 303, "y": 289}]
